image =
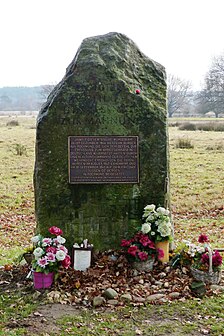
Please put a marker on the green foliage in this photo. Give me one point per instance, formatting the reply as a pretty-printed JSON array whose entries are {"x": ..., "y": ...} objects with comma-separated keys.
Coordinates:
[
  {"x": 205, "y": 126},
  {"x": 12, "y": 123},
  {"x": 187, "y": 126},
  {"x": 19, "y": 149},
  {"x": 184, "y": 143}
]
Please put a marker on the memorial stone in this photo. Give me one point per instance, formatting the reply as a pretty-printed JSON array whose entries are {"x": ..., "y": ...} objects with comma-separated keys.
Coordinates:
[{"x": 101, "y": 144}]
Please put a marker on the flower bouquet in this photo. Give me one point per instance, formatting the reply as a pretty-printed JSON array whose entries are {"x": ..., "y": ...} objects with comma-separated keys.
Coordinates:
[
  {"x": 205, "y": 264},
  {"x": 49, "y": 254},
  {"x": 141, "y": 251},
  {"x": 157, "y": 226},
  {"x": 157, "y": 223}
]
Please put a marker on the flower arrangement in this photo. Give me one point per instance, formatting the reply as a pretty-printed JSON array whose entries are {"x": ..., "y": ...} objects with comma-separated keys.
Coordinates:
[
  {"x": 50, "y": 253},
  {"x": 141, "y": 248},
  {"x": 201, "y": 257},
  {"x": 157, "y": 223}
]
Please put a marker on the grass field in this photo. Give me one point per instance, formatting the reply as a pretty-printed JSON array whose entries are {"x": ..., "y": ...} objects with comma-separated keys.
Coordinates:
[{"x": 197, "y": 190}]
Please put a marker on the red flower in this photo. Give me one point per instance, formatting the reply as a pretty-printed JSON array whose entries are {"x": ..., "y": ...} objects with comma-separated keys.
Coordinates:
[
  {"x": 144, "y": 240},
  {"x": 66, "y": 262},
  {"x": 125, "y": 243},
  {"x": 143, "y": 256},
  {"x": 203, "y": 238},
  {"x": 216, "y": 259},
  {"x": 205, "y": 258},
  {"x": 55, "y": 231},
  {"x": 133, "y": 250},
  {"x": 160, "y": 253},
  {"x": 137, "y": 91}
]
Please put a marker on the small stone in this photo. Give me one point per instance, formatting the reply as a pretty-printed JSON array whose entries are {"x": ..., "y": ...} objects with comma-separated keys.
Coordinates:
[
  {"x": 167, "y": 269},
  {"x": 155, "y": 297},
  {"x": 138, "y": 299},
  {"x": 158, "y": 283},
  {"x": 110, "y": 293},
  {"x": 126, "y": 297},
  {"x": 174, "y": 295},
  {"x": 162, "y": 275},
  {"x": 217, "y": 288},
  {"x": 98, "y": 301},
  {"x": 141, "y": 281},
  {"x": 135, "y": 273},
  {"x": 112, "y": 302},
  {"x": 166, "y": 284}
]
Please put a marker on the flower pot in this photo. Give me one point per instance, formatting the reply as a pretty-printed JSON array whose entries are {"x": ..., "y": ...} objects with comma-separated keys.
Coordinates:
[
  {"x": 143, "y": 265},
  {"x": 42, "y": 280},
  {"x": 164, "y": 245}
]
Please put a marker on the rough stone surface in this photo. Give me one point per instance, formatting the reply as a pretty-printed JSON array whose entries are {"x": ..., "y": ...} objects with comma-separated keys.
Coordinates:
[
  {"x": 126, "y": 297},
  {"x": 155, "y": 297},
  {"x": 98, "y": 301},
  {"x": 110, "y": 293},
  {"x": 97, "y": 96}
]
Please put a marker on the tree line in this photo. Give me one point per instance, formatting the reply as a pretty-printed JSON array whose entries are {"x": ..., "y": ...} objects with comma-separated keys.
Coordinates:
[{"x": 183, "y": 101}]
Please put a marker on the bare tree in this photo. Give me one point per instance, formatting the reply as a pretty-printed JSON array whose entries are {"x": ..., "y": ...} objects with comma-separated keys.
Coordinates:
[
  {"x": 213, "y": 92},
  {"x": 178, "y": 94},
  {"x": 46, "y": 90}
]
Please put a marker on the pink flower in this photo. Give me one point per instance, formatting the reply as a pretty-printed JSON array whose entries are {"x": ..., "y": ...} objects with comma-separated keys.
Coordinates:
[
  {"x": 205, "y": 258},
  {"x": 55, "y": 231},
  {"x": 216, "y": 259},
  {"x": 51, "y": 257},
  {"x": 203, "y": 238},
  {"x": 125, "y": 243},
  {"x": 144, "y": 240},
  {"x": 66, "y": 262},
  {"x": 160, "y": 253},
  {"x": 51, "y": 249},
  {"x": 62, "y": 248},
  {"x": 42, "y": 262},
  {"x": 143, "y": 256},
  {"x": 133, "y": 250},
  {"x": 46, "y": 241}
]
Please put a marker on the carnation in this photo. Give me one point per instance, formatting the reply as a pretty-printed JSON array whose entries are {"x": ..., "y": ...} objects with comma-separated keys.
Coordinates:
[
  {"x": 43, "y": 262},
  {"x": 203, "y": 238},
  {"x": 55, "y": 231},
  {"x": 35, "y": 239},
  {"x": 46, "y": 241},
  {"x": 60, "y": 255},
  {"x": 38, "y": 252},
  {"x": 50, "y": 253},
  {"x": 60, "y": 240}
]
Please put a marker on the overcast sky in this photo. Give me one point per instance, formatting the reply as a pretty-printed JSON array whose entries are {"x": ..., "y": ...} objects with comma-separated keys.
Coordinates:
[{"x": 39, "y": 38}]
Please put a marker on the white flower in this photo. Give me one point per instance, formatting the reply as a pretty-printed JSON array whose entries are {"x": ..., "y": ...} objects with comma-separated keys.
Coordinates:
[
  {"x": 153, "y": 233},
  {"x": 146, "y": 228},
  {"x": 38, "y": 252},
  {"x": 150, "y": 218},
  {"x": 60, "y": 255},
  {"x": 35, "y": 239},
  {"x": 164, "y": 229},
  {"x": 150, "y": 207},
  {"x": 60, "y": 240},
  {"x": 163, "y": 211}
]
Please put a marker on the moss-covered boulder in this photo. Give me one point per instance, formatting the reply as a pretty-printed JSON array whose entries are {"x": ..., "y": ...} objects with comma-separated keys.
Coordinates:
[{"x": 110, "y": 88}]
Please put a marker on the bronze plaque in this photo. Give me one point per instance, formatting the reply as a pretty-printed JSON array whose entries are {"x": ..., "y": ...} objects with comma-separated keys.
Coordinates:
[{"x": 103, "y": 159}]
